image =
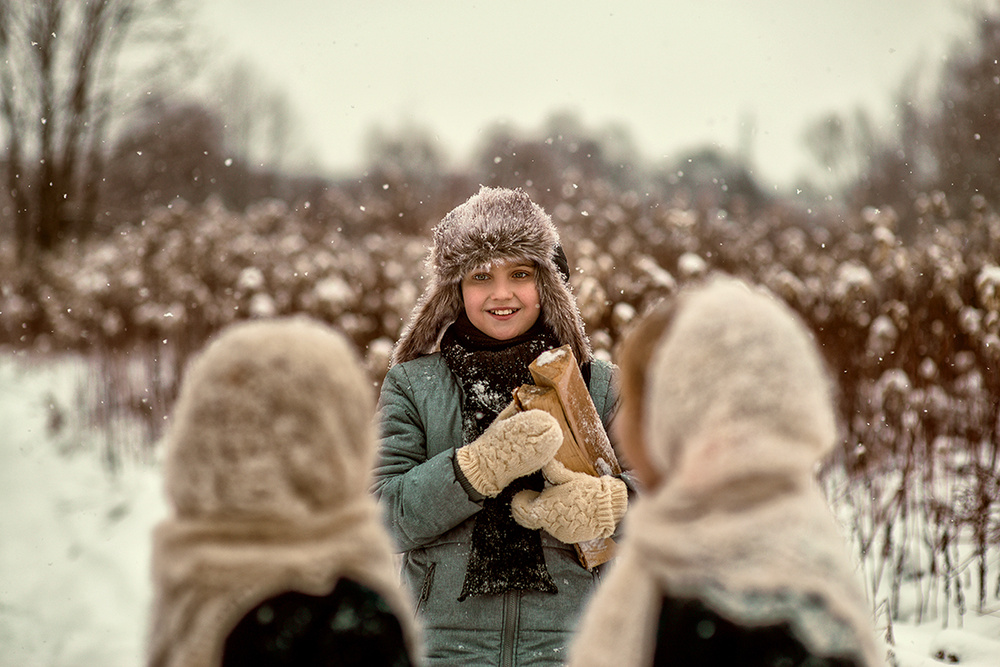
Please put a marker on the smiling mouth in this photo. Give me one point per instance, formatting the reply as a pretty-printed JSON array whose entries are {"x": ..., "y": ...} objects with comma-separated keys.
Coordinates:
[{"x": 503, "y": 312}]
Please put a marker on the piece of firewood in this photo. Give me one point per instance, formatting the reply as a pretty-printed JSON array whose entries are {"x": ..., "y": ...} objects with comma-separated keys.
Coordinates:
[
  {"x": 559, "y": 389},
  {"x": 570, "y": 453},
  {"x": 559, "y": 369}
]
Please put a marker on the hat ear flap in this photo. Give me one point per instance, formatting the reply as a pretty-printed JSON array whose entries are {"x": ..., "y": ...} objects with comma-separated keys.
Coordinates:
[
  {"x": 561, "y": 312},
  {"x": 439, "y": 306}
]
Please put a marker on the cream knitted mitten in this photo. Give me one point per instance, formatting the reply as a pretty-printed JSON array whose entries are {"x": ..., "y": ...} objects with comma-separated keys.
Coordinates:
[
  {"x": 510, "y": 448},
  {"x": 577, "y": 508}
]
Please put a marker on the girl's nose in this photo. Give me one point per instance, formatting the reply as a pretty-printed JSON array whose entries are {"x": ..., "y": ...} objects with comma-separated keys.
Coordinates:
[{"x": 501, "y": 289}]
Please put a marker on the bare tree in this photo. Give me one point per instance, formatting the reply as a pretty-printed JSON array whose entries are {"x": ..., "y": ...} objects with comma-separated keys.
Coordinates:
[
  {"x": 260, "y": 120},
  {"x": 830, "y": 140},
  {"x": 174, "y": 149},
  {"x": 965, "y": 132},
  {"x": 60, "y": 92}
]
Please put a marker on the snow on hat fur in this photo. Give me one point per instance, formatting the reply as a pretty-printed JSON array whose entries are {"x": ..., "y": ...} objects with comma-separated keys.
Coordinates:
[{"x": 495, "y": 224}]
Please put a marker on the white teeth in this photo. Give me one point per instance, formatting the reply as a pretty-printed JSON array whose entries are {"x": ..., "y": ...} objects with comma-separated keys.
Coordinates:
[{"x": 503, "y": 311}]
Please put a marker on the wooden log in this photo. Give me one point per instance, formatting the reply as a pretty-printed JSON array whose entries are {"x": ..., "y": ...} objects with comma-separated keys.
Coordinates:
[
  {"x": 559, "y": 389},
  {"x": 570, "y": 454},
  {"x": 559, "y": 370}
]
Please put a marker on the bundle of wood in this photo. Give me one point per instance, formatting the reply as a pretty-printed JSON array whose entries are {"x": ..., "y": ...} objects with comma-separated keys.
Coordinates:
[{"x": 559, "y": 390}]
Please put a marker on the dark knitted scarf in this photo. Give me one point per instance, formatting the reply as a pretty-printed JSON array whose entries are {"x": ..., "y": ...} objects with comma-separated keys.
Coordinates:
[{"x": 504, "y": 555}]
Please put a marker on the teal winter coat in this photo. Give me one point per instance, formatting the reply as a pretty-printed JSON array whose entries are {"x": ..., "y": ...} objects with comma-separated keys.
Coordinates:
[{"x": 430, "y": 514}]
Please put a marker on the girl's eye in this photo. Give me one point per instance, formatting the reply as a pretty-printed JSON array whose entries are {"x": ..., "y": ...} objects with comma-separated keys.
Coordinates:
[
  {"x": 481, "y": 276},
  {"x": 521, "y": 275}
]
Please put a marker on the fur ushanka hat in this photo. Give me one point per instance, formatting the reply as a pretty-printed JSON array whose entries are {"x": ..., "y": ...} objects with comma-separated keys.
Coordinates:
[{"x": 495, "y": 224}]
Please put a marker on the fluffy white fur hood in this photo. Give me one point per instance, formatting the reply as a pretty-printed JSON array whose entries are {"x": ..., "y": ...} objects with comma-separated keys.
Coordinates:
[
  {"x": 274, "y": 419},
  {"x": 737, "y": 386},
  {"x": 493, "y": 225},
  {"x": 267, "y": 467},
  {"x": 738, "y": 411}
]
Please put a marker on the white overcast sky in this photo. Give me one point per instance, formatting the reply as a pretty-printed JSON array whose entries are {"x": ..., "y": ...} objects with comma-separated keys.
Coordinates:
[{"x": 675, "y": 74}]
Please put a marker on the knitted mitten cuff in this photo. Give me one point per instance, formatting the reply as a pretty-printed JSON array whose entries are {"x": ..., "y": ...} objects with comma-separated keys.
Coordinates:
[
  {"x": 464, "y": 482},
  {"x": 612, "y": 503}
]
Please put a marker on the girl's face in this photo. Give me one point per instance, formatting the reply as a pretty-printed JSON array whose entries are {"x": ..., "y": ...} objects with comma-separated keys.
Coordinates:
[{"x": 502, "y": 299}]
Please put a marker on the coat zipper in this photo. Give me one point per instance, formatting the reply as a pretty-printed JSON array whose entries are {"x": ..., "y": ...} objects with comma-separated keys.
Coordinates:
[
  {"x": 508, "y": 631},
  {"x": 425, "y": 588}
]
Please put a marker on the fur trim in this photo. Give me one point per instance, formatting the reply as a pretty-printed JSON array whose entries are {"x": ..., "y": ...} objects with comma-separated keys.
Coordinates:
[{"x": 496, "y": 224}]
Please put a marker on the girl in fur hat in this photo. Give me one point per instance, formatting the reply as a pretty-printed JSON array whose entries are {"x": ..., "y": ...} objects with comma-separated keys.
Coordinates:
[
  {"x": 732, "y": 557},
  {"x": 493, "y": 587},
  {"x": 274, "y": 553}
]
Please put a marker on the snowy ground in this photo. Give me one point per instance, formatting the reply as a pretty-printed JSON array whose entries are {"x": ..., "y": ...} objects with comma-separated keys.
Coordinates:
[
  {"x": 74, "y": 551},
  {"x": 74, "y": 541}
]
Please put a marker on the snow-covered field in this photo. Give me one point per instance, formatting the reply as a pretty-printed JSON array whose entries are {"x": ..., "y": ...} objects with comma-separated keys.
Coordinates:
[{"x": 74, "y": 540}]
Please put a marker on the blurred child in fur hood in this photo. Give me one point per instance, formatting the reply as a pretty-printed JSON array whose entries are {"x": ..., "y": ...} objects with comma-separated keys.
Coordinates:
[
  {"x": 495, "y": 583},
  {"x": 274, "y": 553},
  {"x": 732, "y": 557}
]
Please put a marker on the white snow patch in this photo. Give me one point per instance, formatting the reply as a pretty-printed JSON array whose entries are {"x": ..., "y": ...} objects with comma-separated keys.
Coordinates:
[
  {"x": 691, "y": 265},
  {"x": 550, "y": 356},
  {"x": 74, "y": 556},
  {"x": 334, "y": 290},
  {"x": 930, "y": 645},
  {"x": 603, "y": 467}
]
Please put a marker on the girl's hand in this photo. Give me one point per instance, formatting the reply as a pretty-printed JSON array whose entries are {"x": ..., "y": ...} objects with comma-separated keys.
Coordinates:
[
  {"x": 577, "y": 508},
  {"x": 508, "y": 449}
]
